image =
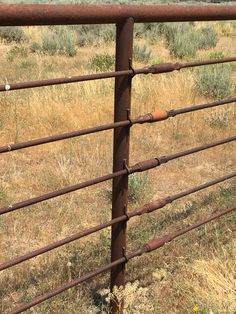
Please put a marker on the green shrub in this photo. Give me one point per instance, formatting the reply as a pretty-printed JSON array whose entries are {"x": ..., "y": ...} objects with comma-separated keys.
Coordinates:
[
  {"x": 169, "y": 30},
  {"x": 102, "y": 62},
  {"x": 2, "y": 194},
  {"x": 233, "y": 66},
  {"x": 16, "y": 53},
  {"x": 139, "y": 30},
  {"x": 150, "y": 31},
  {"x": 184, "y": 40},
  {"x": 227, "y": 28},
  {"x": 59, "y": 40},
  {"x": 35, "y": 47},
  {"x": 233, "y": 24},
  {"x": 214, "y": 81},
  {"x": 28, "y": 64},
  {"x": 12, "y": 34},
  {"x": 106, "y": 33},
  {"x": 93, "y": 34},
  {"x": 207, "y": 38},
  {"x": 218, "y": 119},
  {"x": 141, "y": 53},
  {"x": 184, "y": 45},
  {"x": 86, "y": 35},
  {"x": 137, "y": 186},
  {"x": 216, "y": 55}
]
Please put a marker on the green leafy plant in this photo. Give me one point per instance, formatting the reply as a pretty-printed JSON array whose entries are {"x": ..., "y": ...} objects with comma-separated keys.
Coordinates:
[
  {"x": 184, "y": 40},
  {"x": 12, "y": 34},
  {"x": 16, "y": 53},
  {"x": 102, "y": 62},
  {"x": 35, "y": 47},
  {"x": 214, "y": 81},
  {"x": 141, "y": 53},
  {"x": 208, "y": 38},
  {"x": 217, "y": 55},
  {"x": 184, "y": 45},
  {"x": 93, "y": 35},
  {"x": 59, "y": 41},
  {"x": 137, "y": 185},
  {"x": 218, "y": 119}
]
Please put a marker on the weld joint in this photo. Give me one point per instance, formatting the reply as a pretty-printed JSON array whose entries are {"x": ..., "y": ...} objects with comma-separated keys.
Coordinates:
[
  {"x": 131, "y": 67},
  {"x": 126, "y": 167},
  {"x": 126, "y": 212},
  {"x": 172, "y": 113},
  {"x": 124, "y": 255},
  {"x": 129, "y": 118},
  {"x": 162, "y": 160}
]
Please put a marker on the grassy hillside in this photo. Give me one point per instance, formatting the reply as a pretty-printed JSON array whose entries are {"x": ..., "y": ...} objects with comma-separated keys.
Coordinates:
[{"x": 194, "y": 274}]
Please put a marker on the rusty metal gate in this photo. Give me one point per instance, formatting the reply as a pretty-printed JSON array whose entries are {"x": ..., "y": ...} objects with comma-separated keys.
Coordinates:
[{"x": 124, "y": 16}]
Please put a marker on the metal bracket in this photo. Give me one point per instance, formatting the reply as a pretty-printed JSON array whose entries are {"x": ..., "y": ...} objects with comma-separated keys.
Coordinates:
[
  {"x": 131, "y": 67},
  {"x": 126, "y": 166},
  {"x": 129, "y": 117},
  {"x": 126, "y": 212},
  {"x": 124, "y": 255}
]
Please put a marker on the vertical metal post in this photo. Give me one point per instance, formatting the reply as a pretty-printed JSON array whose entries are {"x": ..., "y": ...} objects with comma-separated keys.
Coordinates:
[{"x": 124, "y": 49}]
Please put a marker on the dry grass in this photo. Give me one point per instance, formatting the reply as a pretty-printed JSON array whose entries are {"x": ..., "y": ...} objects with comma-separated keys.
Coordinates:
[
  {"x": 197, "y": 274},
  {"x": 214, "y": 282}
]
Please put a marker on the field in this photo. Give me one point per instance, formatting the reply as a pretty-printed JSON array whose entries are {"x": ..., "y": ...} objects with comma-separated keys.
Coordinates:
[{"x": 195, "y": 274}]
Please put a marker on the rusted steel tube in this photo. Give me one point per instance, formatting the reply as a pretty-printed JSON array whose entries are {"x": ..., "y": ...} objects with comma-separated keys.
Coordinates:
[
  {"x": 59, "y": 137},
  {"x": 62, "y": 242},
  {"x": 159, "y": 242},
  {"x": 145, "y": 209},
  {"x": 66, "y": 286},
  {"x": 159, "y": 115},
  {"x": 154, "y": 69},
  {"x": 146, "y": 248},
  {"x": 175, "y": 112},
  {"x": 147, "y": 118},
  {"x": 206, "y": 62},
  {"x": 75, "y": 282},
  {"x": 43, "y": 14},
  {"x": 121, "y": 143},
  {"x": 160, "y": 203},
  {"x": 155, "y": 162},
  {"x": 139, "y": 167},
  {"x": 202, "y": 187},
  {"x": 64, "y": 80},
  {"x": 196, "y": 149},
  {"x": 64, "y": 191},
  {"x": 170, "y": 67}
]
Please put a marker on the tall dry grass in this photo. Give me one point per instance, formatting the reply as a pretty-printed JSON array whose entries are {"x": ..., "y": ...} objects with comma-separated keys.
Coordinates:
[{"x": 189, "y": 275}]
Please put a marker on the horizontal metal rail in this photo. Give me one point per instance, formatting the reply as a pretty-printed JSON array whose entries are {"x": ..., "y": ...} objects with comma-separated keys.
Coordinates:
[
  {"x": 33, "y": 14},
  {"x": 139, "y": 167},
  {"x": 123, "y": 16},
  {"x": 175, "y": 112},
  {"x": 147, "y": 118},
  {"x": 154, "y": 69},
  {"x": 146, "y": 248},
  {"x": 147, "y": 208}
]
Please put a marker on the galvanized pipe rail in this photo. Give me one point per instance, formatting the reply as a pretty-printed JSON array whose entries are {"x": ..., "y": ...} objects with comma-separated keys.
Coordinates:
[
  {"x": 124, "y": 17},
  {"x": 146, "y": 248}
]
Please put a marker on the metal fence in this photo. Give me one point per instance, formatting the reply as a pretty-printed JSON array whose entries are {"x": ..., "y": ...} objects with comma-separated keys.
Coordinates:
[{"x": 124, "y": 17}]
